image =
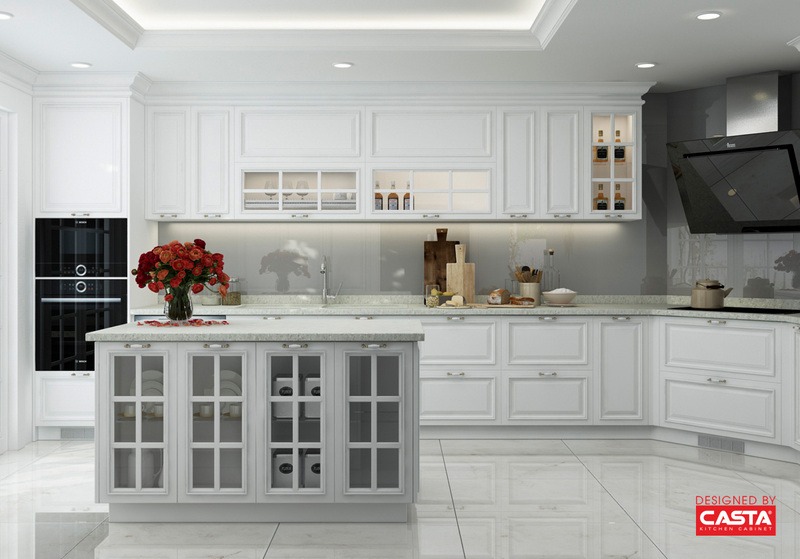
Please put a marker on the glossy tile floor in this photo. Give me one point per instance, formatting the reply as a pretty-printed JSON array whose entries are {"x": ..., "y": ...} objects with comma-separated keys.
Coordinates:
[{"x": 479, "y": 499}]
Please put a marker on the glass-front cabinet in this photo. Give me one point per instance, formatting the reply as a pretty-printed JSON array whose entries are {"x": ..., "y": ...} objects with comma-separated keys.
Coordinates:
[
  {"x": 295, "y": 389},
  {"x": 376, "y": 385},
  {"x": 403, "y": 193},
  {"x": 214, "y": 426},
  {"x": 137, "y": 426},
  {"x": 299, "y": 193},
  {"x": 614, "y": 180}
]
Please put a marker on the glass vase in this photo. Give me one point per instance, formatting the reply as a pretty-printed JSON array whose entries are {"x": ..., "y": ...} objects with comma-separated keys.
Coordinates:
[{"x": 179, "y": 308}]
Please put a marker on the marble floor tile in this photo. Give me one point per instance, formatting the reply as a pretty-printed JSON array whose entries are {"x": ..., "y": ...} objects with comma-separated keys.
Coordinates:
[
  {"x": 51, "y": 535},
  {"x": 13, "y": 461},
  {"x": 434, "y": 487},
  {"x": 495, "y": 447},
  {"x": 86, "y": 547}
]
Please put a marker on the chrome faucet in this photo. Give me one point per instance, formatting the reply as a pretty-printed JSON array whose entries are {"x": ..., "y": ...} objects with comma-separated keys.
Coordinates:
[{"x": 323, "y": 269}]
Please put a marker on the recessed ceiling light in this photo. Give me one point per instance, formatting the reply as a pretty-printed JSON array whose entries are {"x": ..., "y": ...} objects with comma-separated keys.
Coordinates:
[
  {"x": 81, "y": 65},
  {"x": 708, "y": 16},
  {"x": 645, "y": 65},
  {"x": 342, "y": 64},
  {"x": 6, "y": 15}
]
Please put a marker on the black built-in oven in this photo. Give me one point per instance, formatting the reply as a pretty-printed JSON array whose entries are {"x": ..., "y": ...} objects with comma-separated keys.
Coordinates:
[{"x": 81, "y": 286}]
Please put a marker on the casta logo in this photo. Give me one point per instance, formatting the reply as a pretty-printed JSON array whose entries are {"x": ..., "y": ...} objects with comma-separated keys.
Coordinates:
[
  {"x": 729, "y": 145},
  {"x": 740, "y": 515}
]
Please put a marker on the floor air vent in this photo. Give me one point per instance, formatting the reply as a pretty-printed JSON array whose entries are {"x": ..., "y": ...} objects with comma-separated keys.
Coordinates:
[{"x": 721, "y": 443}]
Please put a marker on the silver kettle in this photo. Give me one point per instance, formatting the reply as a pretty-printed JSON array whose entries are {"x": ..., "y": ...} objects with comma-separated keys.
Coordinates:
[{"x": 709, "y": 294}]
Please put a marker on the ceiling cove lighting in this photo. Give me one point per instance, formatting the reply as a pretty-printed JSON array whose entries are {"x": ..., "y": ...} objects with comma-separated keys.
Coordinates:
[
  {"x": 708, "y": 16},
  {"x": 644, "y": 65},
  {"x": 81, "y": 65},
  {"x": 5, "y": 15},
  {"x": 343, "y": 65}
]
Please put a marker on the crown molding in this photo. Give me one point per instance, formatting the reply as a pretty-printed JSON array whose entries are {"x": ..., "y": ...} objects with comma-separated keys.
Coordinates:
[
  {"x": 795, "y": 42},
  {"x": 112, "y": 84},
  {"x": 549, "y": 20},
  {"x": 17, "y": 74},
  {"x": 113, "y": 18},
  {"x": 295, "y": 93}
]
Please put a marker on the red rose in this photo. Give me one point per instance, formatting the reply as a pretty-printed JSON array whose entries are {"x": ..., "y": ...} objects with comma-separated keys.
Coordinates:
[
  {"x": 206, "y": 261},
  {"x": 195, "y": 254},
  {"x": 197, "y": 270},
  {"x": 177, "y": 265},
  {"x": 165, "y": 256},
  {"x": 175, "y": 282},
  {"x": 212, "y": 281},
  {"x": 200, "y": 243},
  {"x": 162, "y": 273},
  {"x": 217, "y": 257},
  {"x": 169, "y": 297},
  {"x": 197, "y": 288},
  {"x": 153, "y": 287}
]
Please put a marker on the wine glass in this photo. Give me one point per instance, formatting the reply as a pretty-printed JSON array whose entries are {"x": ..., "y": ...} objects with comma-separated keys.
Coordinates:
[
  {"x": 270, "y": 185},
  {"x": 302, "y": 185},
  {"x": 287, "y": 186}
]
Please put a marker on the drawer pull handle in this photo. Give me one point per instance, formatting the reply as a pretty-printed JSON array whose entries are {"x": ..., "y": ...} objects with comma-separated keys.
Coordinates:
[
  {"x": 364, "y": 318},
  {"x": 216, "y": 346},
  {"x": 168, "y": 215},
  {"x": 373, "y": 346},
  {"x": 73, "y": 374},
  {"x": 430, "y": 216},
  {"x": 212, "y": 216},
  {"x": 271, "y": 318},
  {"x": 136, "y": 346},
  {"x": 80, "y": 214},
  {"x": 620, "y": 318},
  {"x": 452, "y": 318},
  {"x": 87, "y": 374},
  {"x": 613, "y": 216},
  {"x": 553, "y": 374},
  {"x": 518, "y": 216},
  {"x": 449, "y": 374},
  {"x": 295, "y": 346},
  {"x": 564, "y": 216},
  {"x": 717, "y": 380},
  {"x": 717, "y": 322},
  {"x": 300, "y": 216},
  {"x": 550, "y": 318}
]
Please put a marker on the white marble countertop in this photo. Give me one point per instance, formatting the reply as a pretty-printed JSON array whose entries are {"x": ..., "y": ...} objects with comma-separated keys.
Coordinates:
[
  {"x": 286, "y": 330},
  {"x": 411, "y": 306}
]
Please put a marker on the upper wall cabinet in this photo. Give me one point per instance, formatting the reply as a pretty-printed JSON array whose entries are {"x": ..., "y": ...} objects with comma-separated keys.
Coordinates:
[
  {"x": 562, "y": 171},
  {"x": 438, "y": 132},
  {"x": 189, "y": 163},
  {"x": 308, "y": 133},
  {"x": 81, "y": 157},
  {"x": 517, "y": 165}
]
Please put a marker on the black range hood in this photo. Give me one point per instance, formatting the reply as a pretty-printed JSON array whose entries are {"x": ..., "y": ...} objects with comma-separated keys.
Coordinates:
[{"x": 739, "y": 184}]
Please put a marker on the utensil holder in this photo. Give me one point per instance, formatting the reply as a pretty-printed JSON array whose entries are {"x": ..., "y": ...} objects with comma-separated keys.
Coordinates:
[{"x": 532, "y": 290}]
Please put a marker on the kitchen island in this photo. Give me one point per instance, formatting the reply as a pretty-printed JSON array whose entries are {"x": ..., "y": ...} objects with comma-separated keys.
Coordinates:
[{"x": 274, "y": 420}]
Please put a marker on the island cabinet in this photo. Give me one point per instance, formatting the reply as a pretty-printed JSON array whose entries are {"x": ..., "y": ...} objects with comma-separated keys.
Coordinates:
[{"x": 293, "y": 424}]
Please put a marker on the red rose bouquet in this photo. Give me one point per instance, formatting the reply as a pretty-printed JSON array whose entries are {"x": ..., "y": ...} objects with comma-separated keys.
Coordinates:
[{"x": 178, "y": 268}]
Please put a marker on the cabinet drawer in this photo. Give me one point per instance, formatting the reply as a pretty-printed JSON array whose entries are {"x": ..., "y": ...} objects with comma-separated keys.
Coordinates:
[
  {"x": 719, "y": 345},
  {"x": 547, "y": 397},
  {"x": 547, "y": 340},
  {"x": 458, "y": 340},
  {"x": 458, "y": 396},
  {"x": 740, "y": 408},
  {"x": 64, "y": 398}
]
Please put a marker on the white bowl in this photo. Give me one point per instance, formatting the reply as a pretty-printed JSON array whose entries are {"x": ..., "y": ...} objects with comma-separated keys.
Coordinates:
[{"x": 559, "y": 298}]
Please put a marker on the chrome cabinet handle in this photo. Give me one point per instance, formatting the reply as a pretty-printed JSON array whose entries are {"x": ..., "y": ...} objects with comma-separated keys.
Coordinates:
[
  {"x": 614, "y": 216},
  {"x": 717, "y": 380},
  {"x": 216, "y": 346},
  {"x": 553, "y": 374},
  {"x": 460, "y": 374},
  {"x": 212, "y": 216},
  {"x": 87, "y": 374},
  {"x": 271, "y": 318},
  {"x": 549, "y": 318},
  {"x": 564, "y": 216},
  {"x": 364, "y": 318},
  {"x": 295, "y": 346},
  {"x": 168, "y": 215},
  {"x": 620, "y": 318},
  {"x": 300, "y": 216},
  {"x": 136, "y": 346},
  {"x": 430, "y": 216},
  {"x": 518, "y": 216},
  {"x": 373, "y": 346},
  {"x": 80, "y": 214},
  {"x": 717, "y": 322},
  {"x": 452, "y": 318}
]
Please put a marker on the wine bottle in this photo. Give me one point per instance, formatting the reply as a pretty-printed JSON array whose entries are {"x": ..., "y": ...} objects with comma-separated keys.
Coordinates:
[
  {"x": 600, "y": 201},
  {"x": 394, "y": 200},
  {"x": 619, "y": 151},
  {"x": 378, "y": 197},
  {"x": 619, "y": 199},
  {"x": 600, "y": 152},
  {"x": 407, "y": 197}
]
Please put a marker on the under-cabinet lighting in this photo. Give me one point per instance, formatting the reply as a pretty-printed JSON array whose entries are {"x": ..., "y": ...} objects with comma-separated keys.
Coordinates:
[
  {"x": 81, "y": 65},
  {"x": 343, "y": 65},
  {"x": 645, "y": 65},
  {"x": 6, "y": 15},
  {"x": 708, "y": 16}
]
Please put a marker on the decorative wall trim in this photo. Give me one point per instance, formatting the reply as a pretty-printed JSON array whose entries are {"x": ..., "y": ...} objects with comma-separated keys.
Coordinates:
[
  {"x": 79, "y": 84},
  {"x": 16, "y": 74},
  {"x": 113, "y": 18}
]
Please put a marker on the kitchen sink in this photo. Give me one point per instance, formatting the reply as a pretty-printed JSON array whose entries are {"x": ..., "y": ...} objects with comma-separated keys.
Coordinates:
[{"x": 756, "y": 310}]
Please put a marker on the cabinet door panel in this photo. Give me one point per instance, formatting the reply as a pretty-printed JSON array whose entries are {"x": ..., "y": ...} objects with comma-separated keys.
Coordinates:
[
  {"x": 547, "y": 398},
  {"x": 167, "y": 158},
  {"x": 620, "y": 387},
  {"x": 547, "y": 342},
  {"x": 436, "y": 133},
  {"x": 467, "y": 341},
  {"x": 299, "y": 133},
  {"x": 64, "y": 398},
  {"x": 519, "y": 137},
  {"x": 562, "y": 162},
  {"x": 743, "y": 410},
  {"x": 729, "y": 347},
  {"x": 211, "y": 158},
  {"x": 458, "y": 397}
]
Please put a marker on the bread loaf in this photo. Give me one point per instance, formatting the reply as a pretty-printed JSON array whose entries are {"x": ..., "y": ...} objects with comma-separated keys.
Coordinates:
[{"x": 499, "y": 297}]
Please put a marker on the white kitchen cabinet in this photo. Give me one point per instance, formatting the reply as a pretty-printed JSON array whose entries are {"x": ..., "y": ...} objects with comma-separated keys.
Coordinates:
[
  {"x": 215, "y": 440},
  {"x": 137, "y": 454},
  {"x": 424, "y": 133},
  {"x": 546, "y": 341},
  {"x": 620, "y": 363},
  {"x": 469, "y": 395},
  {"x": 562, "y": 175},
  {"x": 518, "y": 166},
  {"x": 547, "y": 396},
  {"x": 448, "y": 191},
  {"x": 791, "y": 389},
  {"x": 64, "y": 398},
  {"x": 459, "y": 340},
  {"x": 298, "y": 193},
  {"x": 188, "y": 163},
  {"x": 720, "y": 377},
  {"x": 80, "y": 157},
  {"x": 298, "y": 133},
  {"x": 295, "y": 427}
]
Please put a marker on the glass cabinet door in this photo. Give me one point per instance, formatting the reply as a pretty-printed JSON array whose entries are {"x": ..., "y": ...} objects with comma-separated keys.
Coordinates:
[
  {"x": 217, "y": 408},
  {"x": 139, "y": 418},
  {"x": 295, "y": 389},
  {"x": 613, "y": 164},
  {"x": 374, "y": 420},
  {"x": 428, "y": 192},
  {"x": 300, "y": 191}
]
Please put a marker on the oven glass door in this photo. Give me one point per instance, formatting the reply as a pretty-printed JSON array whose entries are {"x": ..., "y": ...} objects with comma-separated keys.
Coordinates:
[
  {"x": 81, "y": 247},
  {"x": 64, "y": 319}
]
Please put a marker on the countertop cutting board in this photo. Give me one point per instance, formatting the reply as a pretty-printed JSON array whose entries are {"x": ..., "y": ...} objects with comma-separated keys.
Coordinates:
[
  {"x": 437, "y": 254},
  {"x": 461, "y": 276}
]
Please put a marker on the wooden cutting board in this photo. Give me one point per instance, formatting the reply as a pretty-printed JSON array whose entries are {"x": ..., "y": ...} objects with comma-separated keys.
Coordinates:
[
  {"x": 461, "y": 276},
  {"x": 437, "y": 254}
]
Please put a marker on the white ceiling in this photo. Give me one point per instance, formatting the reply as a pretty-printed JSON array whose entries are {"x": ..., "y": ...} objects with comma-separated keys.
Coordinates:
[{"x": 597, "y": 40}]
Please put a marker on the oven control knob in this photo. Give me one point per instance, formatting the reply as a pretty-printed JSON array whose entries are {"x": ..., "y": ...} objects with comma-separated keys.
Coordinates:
[
  {"x": 80, "y": 270},
  {"x": 80, "y": 286}
]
